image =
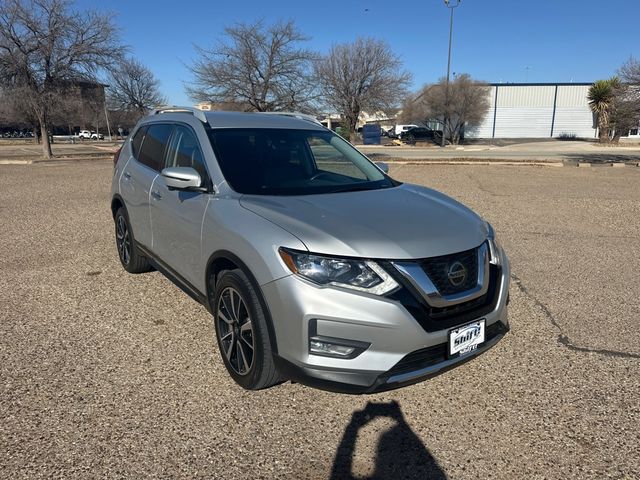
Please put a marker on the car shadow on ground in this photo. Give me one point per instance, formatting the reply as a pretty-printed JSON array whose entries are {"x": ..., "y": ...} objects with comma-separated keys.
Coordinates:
[{"x": 399, "y": 453}]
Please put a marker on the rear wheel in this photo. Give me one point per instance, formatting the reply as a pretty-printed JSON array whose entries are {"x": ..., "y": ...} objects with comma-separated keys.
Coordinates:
[
  {"x": 130, "y": 257},
  {"x": 242, "y": 333}
]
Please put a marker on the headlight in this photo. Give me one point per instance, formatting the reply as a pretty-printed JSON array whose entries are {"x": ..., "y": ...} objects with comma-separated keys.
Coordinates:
[
  {"x": 361, "y": 275},
  {"x": 494, "y": 246}
]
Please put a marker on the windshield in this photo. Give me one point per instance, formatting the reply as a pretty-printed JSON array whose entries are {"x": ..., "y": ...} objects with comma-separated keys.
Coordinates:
[{"x": 263, "y": 161}]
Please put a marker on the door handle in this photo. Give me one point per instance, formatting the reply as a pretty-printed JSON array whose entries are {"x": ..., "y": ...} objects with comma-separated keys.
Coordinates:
[
  {"x": 156, "y": 195},
  {"x": 126, "y": 175}
]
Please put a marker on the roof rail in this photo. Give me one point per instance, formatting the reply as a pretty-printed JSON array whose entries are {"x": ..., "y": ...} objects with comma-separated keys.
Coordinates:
[
  {"x": 301, "y": 116},
  {"x": 199, "y": 114}
]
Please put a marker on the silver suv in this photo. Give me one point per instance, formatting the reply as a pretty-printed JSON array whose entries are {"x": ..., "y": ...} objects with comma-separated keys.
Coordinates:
[{"x": 316, "y": 265}]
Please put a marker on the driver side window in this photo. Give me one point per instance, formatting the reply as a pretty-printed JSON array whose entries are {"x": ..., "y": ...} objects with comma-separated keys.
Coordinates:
[{"x": 184, "y": 151}]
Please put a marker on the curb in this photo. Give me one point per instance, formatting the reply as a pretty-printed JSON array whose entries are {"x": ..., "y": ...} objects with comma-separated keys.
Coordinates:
[
  {"x": 605, "y": 165},
  {"x": 16, "y": 162},
  {"x": 55, "y": 160},
  {"x": 475, "y": 162}
]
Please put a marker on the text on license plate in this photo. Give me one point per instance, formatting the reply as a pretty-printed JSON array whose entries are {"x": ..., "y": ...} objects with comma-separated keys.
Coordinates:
[{"x": 466, "y": 339}]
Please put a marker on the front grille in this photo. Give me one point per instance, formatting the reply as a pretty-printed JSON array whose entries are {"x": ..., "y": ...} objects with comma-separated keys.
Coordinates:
[
  {"x": 427, "y": 357},
  {"x": 433, "y": 319},
  {"x": 438, "y": 270}
]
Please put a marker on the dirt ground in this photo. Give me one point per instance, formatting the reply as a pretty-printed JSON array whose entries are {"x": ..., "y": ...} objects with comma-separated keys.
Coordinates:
[{"x": 109, "y": 375}]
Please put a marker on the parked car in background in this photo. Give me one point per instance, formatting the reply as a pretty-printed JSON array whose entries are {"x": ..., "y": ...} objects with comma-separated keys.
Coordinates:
[
  {"x": 414, "y": 134},
  {"x": 17, "y": 134},
  {"x": 385, "y": 131},
  {"x": 398, "y": 129},
  {"x": 316, "y": 265}
]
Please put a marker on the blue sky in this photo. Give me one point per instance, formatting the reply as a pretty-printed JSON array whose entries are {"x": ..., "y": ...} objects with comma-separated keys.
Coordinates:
[{"x": 494, "y": 40}]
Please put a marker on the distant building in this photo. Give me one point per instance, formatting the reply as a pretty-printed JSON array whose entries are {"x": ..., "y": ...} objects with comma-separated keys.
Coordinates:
[
  {"x": 225, "y": 106},
  {"x": 206, "y": 106},
  {"x": 538, "y": 110},
  {"x": 334, "y": 120}
]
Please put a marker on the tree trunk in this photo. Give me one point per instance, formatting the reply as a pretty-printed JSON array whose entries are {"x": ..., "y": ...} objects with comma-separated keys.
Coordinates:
[
  {"x": 603, "y": 131},
  {"x": 353, "y": 136},
  {"x": 46, "y": 145},
  {"x": 447, "y": 131},
  {"x": 616, "y": 136}
]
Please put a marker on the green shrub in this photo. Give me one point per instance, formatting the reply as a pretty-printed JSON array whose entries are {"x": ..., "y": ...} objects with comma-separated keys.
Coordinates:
[
  {"x": 567, "y": 136},
  {"x": 343, "y": 132}
]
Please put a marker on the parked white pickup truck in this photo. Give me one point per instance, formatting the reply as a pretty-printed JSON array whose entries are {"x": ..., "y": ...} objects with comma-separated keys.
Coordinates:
[
  {"x": 86, "y": 134},
  {"x": 398, "y": 129}
]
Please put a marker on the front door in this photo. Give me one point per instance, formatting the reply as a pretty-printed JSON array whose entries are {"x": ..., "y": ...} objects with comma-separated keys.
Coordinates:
[{"x": 176, "y": 216}]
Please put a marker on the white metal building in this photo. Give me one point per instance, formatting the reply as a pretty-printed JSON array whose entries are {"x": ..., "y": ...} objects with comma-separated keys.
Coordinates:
[{"x": 537, "y": 110}]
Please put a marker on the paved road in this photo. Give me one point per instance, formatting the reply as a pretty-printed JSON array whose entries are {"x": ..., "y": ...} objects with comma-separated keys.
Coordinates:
[
  {"x": 555, "y": 151},
  {"x": 569, "y": 151},
  {"x": 110, "y": 375}
]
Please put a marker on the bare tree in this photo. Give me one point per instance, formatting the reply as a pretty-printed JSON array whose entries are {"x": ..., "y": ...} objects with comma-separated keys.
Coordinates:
[
  {"x": 260, "y": 67},
  {"x": 12, "y": 112},
  {"x": 360, "y": 76},
  {"x": 133, "y": 87},
  {"x": 44, "y": 45},
  {"x": 630, "y": 72},
  {"x": 121, "y": 120},
  {"x": 464, "y": 107},
  {"x": 68, "y": 111},
  {"x": 625, "y": 112}
]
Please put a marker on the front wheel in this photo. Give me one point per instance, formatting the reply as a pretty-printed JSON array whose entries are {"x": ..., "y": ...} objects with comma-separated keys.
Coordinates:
[{"x": 242, "y": 333}]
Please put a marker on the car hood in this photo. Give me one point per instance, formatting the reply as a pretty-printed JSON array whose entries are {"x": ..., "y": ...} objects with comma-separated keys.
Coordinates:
[{"x": 402, "y": 222}]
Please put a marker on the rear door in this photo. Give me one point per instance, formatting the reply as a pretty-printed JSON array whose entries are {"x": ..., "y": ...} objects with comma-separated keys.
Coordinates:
[
  {"x": 176, "y": 216},
  {"x": 147, "y": 157}
]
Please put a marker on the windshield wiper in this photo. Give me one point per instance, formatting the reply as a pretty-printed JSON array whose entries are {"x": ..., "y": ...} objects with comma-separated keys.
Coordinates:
[{"x": 354, "y": 188}]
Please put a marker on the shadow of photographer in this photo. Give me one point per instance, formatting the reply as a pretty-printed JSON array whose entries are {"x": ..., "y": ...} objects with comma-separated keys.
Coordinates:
[{"x": 400, "y": 453}]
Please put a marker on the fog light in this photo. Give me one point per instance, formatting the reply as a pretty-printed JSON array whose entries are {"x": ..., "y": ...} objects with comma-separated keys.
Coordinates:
[
  {"x": 333, "y": 347},
  {"x": 319, "y": 347}
]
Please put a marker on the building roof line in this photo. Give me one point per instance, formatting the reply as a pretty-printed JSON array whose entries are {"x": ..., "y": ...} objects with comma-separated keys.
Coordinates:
[{"x": 540, "y": 84}]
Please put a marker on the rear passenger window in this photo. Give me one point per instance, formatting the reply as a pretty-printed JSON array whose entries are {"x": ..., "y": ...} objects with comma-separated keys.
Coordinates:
[
  {"x": 136, "y": 142},
  {"x": 153, "y": 147}
]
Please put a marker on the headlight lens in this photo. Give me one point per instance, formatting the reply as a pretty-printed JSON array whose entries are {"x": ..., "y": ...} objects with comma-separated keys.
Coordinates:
[
  {"x": 494, "y": 246},
  {"x": 361, "y": 275}
]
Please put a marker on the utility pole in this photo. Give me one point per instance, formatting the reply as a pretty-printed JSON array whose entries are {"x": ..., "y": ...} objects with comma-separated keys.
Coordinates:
[
  {"x": 451, "y": 7},
  {"x": 106, "y": 114}
]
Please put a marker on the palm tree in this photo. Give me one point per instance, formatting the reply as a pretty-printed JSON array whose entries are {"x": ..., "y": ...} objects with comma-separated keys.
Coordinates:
[{"x": 601, "y": 98}]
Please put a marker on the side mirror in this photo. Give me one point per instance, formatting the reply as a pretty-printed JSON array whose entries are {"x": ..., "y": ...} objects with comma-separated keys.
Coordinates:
[
  {"x": 383, "y": 166},
  {"x": 181, "y": 178}
]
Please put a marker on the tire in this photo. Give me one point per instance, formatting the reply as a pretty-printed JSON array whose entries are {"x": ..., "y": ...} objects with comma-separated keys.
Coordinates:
[
  {"x": 130, "y": 258},
  {"x": 242, "y": 333}
]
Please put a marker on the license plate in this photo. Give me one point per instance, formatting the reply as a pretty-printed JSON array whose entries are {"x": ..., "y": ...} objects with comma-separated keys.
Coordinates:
[{"x": 466, "y": 339}]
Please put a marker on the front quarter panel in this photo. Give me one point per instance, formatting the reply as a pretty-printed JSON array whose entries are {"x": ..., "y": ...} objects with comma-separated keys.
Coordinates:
[{"x": 227, "y": 226}]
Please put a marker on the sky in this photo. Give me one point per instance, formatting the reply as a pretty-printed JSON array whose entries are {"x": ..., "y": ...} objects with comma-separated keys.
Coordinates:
[{"x": 493, "y": 40}]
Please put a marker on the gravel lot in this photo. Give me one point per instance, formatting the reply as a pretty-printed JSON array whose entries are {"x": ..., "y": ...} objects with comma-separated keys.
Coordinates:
[{"x": 109, "y": 375}]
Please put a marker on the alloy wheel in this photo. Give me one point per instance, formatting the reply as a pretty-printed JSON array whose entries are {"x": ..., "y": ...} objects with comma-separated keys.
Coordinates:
[
  {"x": 123, "y": 240},
  {"x": 235, "y": 330}
]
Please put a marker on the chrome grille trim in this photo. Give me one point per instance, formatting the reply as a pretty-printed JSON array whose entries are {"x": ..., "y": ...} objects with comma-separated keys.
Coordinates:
[{"x": 418, "y": 278}]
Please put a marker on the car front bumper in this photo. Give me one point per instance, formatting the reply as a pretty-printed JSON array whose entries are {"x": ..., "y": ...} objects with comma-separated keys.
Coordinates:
[
  {"x": 401, "y": 351},
  {"x": 359, "y": 382}
]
